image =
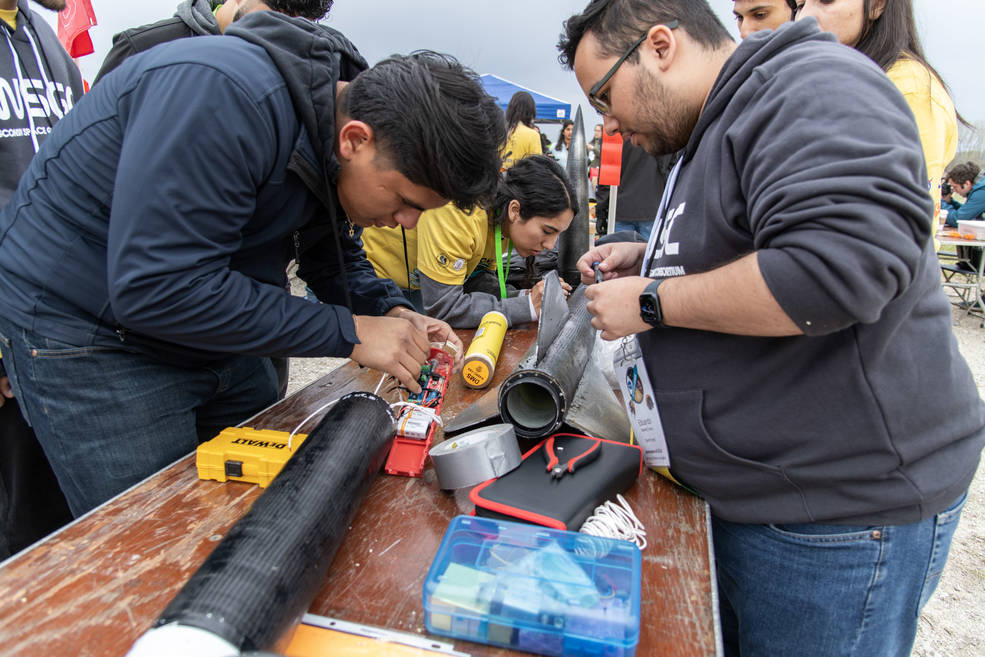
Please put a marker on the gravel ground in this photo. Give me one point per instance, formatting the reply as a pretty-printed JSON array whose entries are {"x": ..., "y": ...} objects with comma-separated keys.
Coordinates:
[{"x": 952, "y": 622}]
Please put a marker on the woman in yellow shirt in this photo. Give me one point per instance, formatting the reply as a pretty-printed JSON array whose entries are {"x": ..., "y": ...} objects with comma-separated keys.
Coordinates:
[
  {"x": 522, "y": 139},
  {"x": 451, "y": 258},
  {"x": 884, "y": 30}
]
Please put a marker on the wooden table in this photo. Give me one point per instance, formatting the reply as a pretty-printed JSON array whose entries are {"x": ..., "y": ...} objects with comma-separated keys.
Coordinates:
[{"x": 94, "y": 587}]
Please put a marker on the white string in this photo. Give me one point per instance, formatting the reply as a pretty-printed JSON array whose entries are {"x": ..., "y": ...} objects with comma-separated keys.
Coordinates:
[
  {"x": 616, "y": 520},
  {"x": 305, "y": 420},
  {"x": 382, "y": 379}
]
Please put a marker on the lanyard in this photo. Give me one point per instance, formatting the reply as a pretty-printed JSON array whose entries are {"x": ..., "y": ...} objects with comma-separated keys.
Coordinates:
[
  {"x": 656, "y": 237},
  {"x": 499, "y": 259}
]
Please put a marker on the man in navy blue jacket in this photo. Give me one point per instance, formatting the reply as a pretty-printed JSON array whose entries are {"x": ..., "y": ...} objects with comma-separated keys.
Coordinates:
[{"x": 142, "y": 257}]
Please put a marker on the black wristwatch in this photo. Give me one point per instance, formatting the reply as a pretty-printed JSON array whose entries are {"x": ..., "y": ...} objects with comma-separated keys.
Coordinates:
[{"x": 650, "y": 310}]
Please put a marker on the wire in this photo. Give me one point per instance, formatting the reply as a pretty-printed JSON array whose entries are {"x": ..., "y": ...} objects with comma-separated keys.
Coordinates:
[
  {"x": 305, "y": 420},
  {"x": 616, "y": 520},
  {"x": 417, "y": 407},
  {"x": 321, "y": 408}
]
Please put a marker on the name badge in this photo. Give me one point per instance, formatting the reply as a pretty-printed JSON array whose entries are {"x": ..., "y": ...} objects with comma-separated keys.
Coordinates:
[{"x": 641, "y": 403}]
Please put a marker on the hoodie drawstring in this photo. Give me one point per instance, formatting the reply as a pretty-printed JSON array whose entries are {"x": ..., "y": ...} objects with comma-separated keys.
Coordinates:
[{"x": 20, "y": 81}]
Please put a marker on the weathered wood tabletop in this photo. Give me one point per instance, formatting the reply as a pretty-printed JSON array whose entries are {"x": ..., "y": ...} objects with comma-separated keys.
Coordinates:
[{"x": 93, "y": 588}]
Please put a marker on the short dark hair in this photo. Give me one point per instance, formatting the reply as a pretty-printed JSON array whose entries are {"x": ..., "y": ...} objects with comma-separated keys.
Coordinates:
[
  {"x": 616, "y": 24},
  {"x": 435, "y": 123},
  {"x": 541, "y": 187},
  {"x": 962, "y": 173},
  {"x": 311, "y": 9},
  {"x": 522, "y": 109}
]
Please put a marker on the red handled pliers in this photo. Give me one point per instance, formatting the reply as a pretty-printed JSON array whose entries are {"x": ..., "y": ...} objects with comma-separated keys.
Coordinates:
[{"x": 558, "y": 462}]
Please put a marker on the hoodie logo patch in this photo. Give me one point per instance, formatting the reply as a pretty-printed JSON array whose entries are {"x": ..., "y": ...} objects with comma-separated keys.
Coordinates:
[
  {"x": 664, "y": 246},
  {"x": 33, "y": 98}
]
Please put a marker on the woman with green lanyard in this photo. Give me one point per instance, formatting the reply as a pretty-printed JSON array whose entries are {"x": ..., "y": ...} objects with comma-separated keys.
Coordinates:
[{"x": 454, "y": 261}]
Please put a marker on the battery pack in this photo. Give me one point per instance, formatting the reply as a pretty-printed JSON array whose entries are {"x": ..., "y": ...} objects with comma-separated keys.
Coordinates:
[
  {"x": 245, "y": 454},
  {"x": 415, "y": 427}
]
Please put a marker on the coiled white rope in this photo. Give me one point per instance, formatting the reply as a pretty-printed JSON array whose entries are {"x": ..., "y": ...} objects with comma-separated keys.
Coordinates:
[{"x": 616, "y": 520}]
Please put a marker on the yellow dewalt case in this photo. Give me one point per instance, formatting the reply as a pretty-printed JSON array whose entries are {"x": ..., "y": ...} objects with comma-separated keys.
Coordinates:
[{"x": 245, "y": 454}]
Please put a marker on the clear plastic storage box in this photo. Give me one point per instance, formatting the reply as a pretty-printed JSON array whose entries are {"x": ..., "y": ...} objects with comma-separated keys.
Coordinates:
[{"x": 534, "y": 589}]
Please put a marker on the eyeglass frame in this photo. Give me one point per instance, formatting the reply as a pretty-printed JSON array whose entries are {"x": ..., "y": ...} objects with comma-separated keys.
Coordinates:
[{"x": 603, "y": 107}]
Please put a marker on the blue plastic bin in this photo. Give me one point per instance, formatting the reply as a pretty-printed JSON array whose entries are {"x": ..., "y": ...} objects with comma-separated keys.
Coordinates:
[{"x": 534, "y": 589}]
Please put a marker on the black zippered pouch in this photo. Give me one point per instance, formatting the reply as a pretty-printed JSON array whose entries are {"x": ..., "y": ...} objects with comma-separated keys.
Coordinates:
[{"x": 533, "y": 494}]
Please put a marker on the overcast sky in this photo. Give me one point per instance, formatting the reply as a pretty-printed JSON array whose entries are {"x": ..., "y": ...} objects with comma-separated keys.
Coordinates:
[{"x": 515, "y": 39}]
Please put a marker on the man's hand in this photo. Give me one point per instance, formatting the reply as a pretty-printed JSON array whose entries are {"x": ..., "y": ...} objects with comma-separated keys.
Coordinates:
[
  {"x": 617, "y": 260},
  {"x": 435, "y": 329},
  {"x": 393, "y": 345},
  {"x": 615, "y": 306},
  {"x": 537, "y": 293},
  {"x": 6, "y": 392}
]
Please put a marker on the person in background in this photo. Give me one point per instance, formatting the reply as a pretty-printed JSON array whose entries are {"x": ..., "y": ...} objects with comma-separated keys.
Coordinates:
[
  {"x": 595, "y": 146},
  {"x": 197, "y": 18},
  {"x": 451, "y": 260},
  {"x": 967, "y": 181},
  {"x": 754, "y": 15},
  {"x": 522, "y": 139},
  {"x": 884, "y": 31},
  {"x": 144, "y": 251},
  {"x": 560, "y": 152},
  {"x": 641, "y": 182},
  {"x": 42, "y": 79},
  {"x": 783, "y": 308},
  {"x": 594, "y": 150}
]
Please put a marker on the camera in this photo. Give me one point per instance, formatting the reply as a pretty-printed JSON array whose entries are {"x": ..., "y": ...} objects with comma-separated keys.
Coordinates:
[{"x": 946, "y": 188}]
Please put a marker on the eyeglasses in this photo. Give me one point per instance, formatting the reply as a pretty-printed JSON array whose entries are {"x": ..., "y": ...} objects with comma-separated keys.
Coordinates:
[{"x": 602, "y": 106}]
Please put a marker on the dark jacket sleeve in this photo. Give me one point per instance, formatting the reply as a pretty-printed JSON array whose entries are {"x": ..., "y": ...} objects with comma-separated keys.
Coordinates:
[
  {"x": 175, "y": 230},
  {"x": 836, "y": 202},
  {"x": 329, "y": 277}
]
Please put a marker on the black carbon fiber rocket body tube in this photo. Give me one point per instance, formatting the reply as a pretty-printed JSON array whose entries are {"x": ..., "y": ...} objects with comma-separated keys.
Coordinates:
[
  {"x": 576, "y": 240},
  {"x": 535, "y": 399},
  {"x": 264, "y": 574}
]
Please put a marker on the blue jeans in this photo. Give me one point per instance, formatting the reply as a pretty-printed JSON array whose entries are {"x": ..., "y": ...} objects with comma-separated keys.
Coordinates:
[
  {"x": 816, "y": 590},
  {"x": 108, "y": 418},
  {"x": 641, "y": 227}
]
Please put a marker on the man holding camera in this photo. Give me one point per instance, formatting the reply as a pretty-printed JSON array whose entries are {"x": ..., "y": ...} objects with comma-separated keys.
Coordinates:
[{"x": 966, "y": 180}]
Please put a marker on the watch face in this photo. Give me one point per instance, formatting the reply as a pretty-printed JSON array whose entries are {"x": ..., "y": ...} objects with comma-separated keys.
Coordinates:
[{"x": 650, "y": 309}]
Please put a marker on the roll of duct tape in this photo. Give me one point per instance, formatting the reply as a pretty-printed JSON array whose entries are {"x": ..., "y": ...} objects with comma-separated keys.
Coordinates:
[{"x": 476, "y": 456}]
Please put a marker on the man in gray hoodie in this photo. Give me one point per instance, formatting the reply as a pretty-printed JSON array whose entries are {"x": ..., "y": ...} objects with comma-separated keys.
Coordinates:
[
  {"x": 791, "y": 320},
  {"x": 197, "y": 18}
]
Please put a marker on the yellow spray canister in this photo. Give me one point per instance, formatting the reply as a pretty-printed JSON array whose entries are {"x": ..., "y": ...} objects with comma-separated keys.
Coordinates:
[{"x": 480, "y": 359}]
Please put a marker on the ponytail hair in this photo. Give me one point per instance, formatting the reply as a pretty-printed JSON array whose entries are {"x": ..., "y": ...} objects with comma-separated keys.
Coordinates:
[{"x": 539, "y": 184}]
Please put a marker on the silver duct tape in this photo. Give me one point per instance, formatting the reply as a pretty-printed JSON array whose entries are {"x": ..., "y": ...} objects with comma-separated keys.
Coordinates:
[{"x": 476, "y": 456}]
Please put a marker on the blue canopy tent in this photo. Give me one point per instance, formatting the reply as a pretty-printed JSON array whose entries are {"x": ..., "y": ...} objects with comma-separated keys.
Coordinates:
[{"x": 548, "y": 109}]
